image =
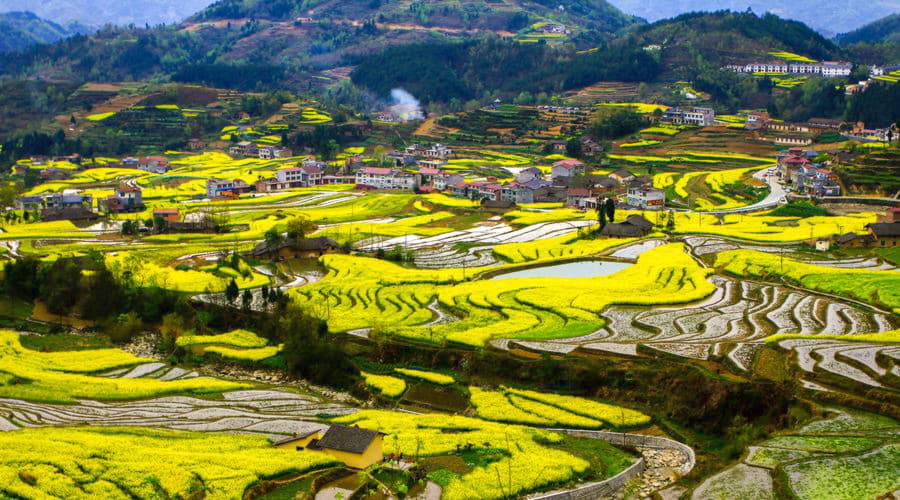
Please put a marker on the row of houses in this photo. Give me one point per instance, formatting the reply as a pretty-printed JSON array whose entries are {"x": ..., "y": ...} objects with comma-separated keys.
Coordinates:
[
  {"x": 796, "y": 169},
  {"x": 829, "y": 69}
]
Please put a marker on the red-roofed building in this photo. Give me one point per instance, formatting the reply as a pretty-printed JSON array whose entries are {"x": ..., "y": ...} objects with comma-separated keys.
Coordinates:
[{"x": 567, "y": 168}]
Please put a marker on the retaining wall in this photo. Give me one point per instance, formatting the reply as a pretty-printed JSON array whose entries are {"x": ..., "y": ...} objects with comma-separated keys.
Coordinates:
[{"x": 610, "y": 486}]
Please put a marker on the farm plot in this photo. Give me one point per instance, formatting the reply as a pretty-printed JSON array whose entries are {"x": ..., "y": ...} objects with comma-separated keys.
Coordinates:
[
  {"x": 67, "y": 376},
  {"x": 738, "y": 316},
  {"x": 432, "y": 435},
  {"x": 851, "y": 454},
  {"x": 140, "y": 463},
  {"x": 881, "y": 288},
  {"x": 366, "y": 293}
]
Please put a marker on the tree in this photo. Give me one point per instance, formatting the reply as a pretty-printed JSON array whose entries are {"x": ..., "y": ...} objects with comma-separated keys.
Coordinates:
[
  {"x": 231, "y": 292},
  {"x": 299, "y": 227},
  {"x": 273, "y": 238},
  {"x": 246, "y": 300},
  {"x": 573, "y": 147},
  {"x": 670, "y": 223},
  {"x": 601, "y": 215},
  {"x": 611, "y": 209}
]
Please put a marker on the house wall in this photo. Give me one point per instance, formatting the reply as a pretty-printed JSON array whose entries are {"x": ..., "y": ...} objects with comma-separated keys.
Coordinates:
[
  {"x": 374, "y": 454},
  {"x": 302, "y": 442}
]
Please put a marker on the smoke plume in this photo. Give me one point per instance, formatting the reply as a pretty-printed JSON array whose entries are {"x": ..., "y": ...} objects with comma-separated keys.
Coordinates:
[{"x": 404, "y": 106}]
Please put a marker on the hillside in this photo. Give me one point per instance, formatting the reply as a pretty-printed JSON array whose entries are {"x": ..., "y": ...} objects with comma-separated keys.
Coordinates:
[
  {"x": 507, "y": 16},
  {"x": 827, "y": 16},
  {"x": 725, "y": 37},
  {"x": 884, "y": 30},
  {"x": 100, "y": 12},
  {"x": 20, "y": 30}
]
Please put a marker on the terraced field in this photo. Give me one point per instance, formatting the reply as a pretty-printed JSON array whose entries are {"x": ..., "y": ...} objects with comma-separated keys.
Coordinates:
[{"x": 852, "y": 454}]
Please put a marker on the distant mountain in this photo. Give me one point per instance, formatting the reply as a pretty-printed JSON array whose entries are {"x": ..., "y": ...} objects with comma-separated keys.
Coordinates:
[
  {"x": 100, "y": 12},
  {"x": 20, "y": 30},
  {"x": 509, "y": 15},
  {"x": 828, "y": 16},
  {"x": 884, "y": 30}
]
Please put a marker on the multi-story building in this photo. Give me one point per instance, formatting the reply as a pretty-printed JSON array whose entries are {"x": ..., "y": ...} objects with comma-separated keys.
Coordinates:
[
  {"x": 645, "y": 197},
  {"x": 701, "y": 117},
  {"x": 216, "y": 188},
  {"x": 274, "y": 152},
  {"x": 386, "y": 178}
]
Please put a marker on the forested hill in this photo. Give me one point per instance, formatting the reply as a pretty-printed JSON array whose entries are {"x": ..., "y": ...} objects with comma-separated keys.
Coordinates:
[
  {"x": 19, "y": 30},
  {"x": 509, "y": 16},
  {"x": 884, "y": 30},
  {"x": 723, "y": 37},
  {"x": 462, "y": 71}
]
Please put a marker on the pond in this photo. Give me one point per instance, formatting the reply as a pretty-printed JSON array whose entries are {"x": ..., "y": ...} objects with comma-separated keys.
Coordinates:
[{"x": 582, "y": 269}]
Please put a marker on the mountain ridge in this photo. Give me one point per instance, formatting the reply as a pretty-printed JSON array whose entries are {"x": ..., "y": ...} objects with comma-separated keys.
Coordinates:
[
  {"x": 100, "y": 12},
  {"x": 827, "y": 16},
  {"x": 884, "y": 30},
  {"x": 20, "y": 30}
]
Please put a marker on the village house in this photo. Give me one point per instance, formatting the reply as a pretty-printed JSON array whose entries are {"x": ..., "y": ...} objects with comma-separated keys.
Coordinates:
[
  {"x": 274, "y": 152},
  {"x": 386, "y": 178},
  {"x": 296, "y": 249},
  {"x": 438, "y": 151},
  {"x": 154, "y": 164},
  {"x": 225, "y": 188},
  {"x": 244, "y": 149},
  {"x": 892, "y": 215},
  {"x": 590, "y": 147},
  {"x": 575, "y": 197},
  {"x": 635, "y": 226},
  {"x": 127, "y": 198},
  {"x": 604, "y": 185},
  {"x": 757, "y": 120},
  {"x": 701, "y": 117},
  {"x": 861, "y": 133},
  {"x": 567, "y": 169},
  {"x": 788, "y": 164},
  {"x": 646, "y": 197},
  {"x": 29, "y": 203},
  {"x": 622, "y": 176},
  {"x": 55, "y": 174},
  {"x": 287, "y": 178},
  {"x": 816, "y": 181},
  {"x": 355, "y": 447},
  {"x": 68, "y": 205},
  {"x": 437, "y": 179},
  {"x": 853, "y": 240},
  {"x": 169, "y": 215},
  {"x": 402, "y": 160},
  {"x": 886, "y": 234},
  {"x": 529, "y": 174}
]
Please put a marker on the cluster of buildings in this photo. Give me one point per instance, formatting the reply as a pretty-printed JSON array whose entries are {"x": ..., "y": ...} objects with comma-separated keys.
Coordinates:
[
  {"x": 796, "y": 170},
  {"x": 72, "y": 204},
  {"x": 831, "y": 69},
  {"x": 247, "y": 149},
  {"x": 799, "y": 134},
  {"x": 701, "y": 117},
  {"x": 882, "y": 234}
]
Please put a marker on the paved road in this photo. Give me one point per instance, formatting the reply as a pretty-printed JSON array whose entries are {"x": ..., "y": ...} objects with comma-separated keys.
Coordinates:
[{"x": 776, "y": 195}]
